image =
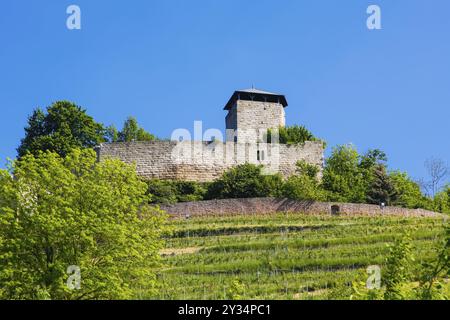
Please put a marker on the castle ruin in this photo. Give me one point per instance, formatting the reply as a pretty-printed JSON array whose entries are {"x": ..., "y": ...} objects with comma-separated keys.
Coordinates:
[{"x": 250, "y": 114}]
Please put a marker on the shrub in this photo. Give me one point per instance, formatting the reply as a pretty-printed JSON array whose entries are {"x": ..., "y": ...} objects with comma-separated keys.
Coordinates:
[
  {"x": 292, "y": 135},
  {"x": 172, "y": 191},
  {"x": 303, "y": 187},
  {"x": 245, "y": 181}
]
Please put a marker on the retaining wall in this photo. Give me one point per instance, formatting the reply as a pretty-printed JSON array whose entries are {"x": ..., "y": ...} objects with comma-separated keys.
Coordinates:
[{"x": 255, "y": 206}]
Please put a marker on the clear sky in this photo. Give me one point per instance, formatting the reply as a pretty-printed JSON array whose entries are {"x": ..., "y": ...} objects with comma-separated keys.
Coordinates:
[{"x": 169, "y": 63}]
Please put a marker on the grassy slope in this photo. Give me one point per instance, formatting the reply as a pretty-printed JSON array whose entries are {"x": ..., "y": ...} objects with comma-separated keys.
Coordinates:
[{"x": 282, "y": 256}]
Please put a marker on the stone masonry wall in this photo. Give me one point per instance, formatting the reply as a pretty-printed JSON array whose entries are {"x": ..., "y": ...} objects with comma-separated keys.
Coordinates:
[
  {"x": 205, "y": 161},
  {"x": 255, "y": 206},
  {"x": 252, "y": 119}
]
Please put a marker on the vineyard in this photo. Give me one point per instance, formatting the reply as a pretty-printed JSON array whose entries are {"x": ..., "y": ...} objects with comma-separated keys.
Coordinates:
[{"x": 283, "y": 256}]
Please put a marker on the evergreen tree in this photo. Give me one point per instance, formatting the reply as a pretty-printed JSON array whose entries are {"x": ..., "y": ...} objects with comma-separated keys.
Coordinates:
[{"x": 381, "y": 188}]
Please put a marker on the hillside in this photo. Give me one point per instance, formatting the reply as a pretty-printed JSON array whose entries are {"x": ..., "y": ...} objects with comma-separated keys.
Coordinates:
[{"x": 282, "y": 256}]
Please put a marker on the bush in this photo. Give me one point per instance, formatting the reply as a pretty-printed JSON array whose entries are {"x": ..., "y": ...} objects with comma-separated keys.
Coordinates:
[
  {"x": 245, "y": 181},
  {"x": 303, "y": 188},
  {"x": 172, "y": 191},
  {"x": 292, "y": 135}
]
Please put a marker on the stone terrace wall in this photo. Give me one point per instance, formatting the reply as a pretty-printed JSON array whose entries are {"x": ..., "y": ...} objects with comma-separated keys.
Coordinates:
[{"x": 255, "y": 206}]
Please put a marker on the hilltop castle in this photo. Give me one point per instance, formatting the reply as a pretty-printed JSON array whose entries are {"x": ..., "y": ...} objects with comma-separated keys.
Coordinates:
[{"x": 250, "y": 114}]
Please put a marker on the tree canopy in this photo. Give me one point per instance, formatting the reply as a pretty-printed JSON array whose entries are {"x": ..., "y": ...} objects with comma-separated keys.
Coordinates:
[
  {"x": 60, "y": 214},
  {"x": 63, "y": 127},
  {"x": 131, "y": 131}
]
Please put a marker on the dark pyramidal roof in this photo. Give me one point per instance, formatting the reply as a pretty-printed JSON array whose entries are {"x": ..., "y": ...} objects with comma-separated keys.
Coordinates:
[{"x": 255, "y": 95}]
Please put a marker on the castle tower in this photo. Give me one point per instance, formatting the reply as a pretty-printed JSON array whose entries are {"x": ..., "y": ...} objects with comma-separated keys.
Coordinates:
[{"x": 251, "y": 113}]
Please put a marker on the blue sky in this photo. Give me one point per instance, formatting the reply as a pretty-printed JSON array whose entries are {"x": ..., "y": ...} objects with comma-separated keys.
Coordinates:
[{"x": 169, "y": 63}]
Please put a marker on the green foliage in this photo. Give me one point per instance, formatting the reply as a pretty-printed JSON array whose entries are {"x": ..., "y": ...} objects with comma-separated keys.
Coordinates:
[
  {"x": 306, "y": 169},
  {"x": 398, "y": 269},
  {"x": 171, "y": 191},
  {"x": 236, "y": 290},
  {"x": 373, "y": 158},
  {"x": 305, "y": 185},
  {"x": 292, "y": 135},
  {"x": 58, "y": 212},
  {"x": 408, "y": 191},
  {"x": 131, "y": 131},
  {"x": 432, "y": 285},
  {"x": 381, "y": 189},
  {"x": 65, "y": 126},
  {"x": 441, "y": 201},
  {"x": 245, "y": 181},
  {"x": 343, "y": 177},
  {"x": 289, "y": 255}
]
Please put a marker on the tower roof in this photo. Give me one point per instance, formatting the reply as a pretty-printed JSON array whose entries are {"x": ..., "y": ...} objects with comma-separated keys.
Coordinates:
[{"x": 256, "y": 95}]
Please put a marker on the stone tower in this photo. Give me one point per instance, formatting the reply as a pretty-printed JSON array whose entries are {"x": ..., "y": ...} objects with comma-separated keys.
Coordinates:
[{"x": 251, "y": 113}]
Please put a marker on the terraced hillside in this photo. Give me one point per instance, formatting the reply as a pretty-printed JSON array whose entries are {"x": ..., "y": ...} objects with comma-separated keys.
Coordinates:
[{"x": 282, "y": 256}]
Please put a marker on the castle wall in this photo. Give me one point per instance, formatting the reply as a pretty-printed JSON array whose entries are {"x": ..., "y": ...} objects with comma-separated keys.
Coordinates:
[{"x": 206, "y": 161}]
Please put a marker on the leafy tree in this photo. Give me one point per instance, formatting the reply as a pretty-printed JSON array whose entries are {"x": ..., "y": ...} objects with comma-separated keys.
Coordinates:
[
  {"x": 302, "y": 187},
  {"x": 64, "y": 127},
  {"x": 372, "y": 159},
  {"x": 305, "y": 184},
  {"x": 307, "y": 169},
  {"x": 59, "y": 212},
  {"x": 381, "y": 188},
  {"x": 441, "y": 202},
  {"x": 343, "y": 177},
  {"x": 112, "y": 134},
  {"x": 408, "y": 191},
  {"x": 131, "y": 131},
  {"x": 244, "y": 181}
]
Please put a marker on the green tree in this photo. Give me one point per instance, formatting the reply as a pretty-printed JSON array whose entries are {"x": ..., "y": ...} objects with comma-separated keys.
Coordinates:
[
  {"x": 244, "y": 181},
  {"x": 343, "y": 177},
  {"x": 381, "y": 188},
  {"x": 64, "y": 127},
  {"x": 408, "y": 192},
  {"x": 59, "y": 212},
  {"x": 372, "y": 159},
  {"x": 441, "y": 202},
  {"x": 131, "y": 131},
  {"x": 305, "y": 184}
]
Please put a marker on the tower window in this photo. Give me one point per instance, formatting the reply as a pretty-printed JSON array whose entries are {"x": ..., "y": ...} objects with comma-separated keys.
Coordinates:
[{"x": 260, "y": 155}]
